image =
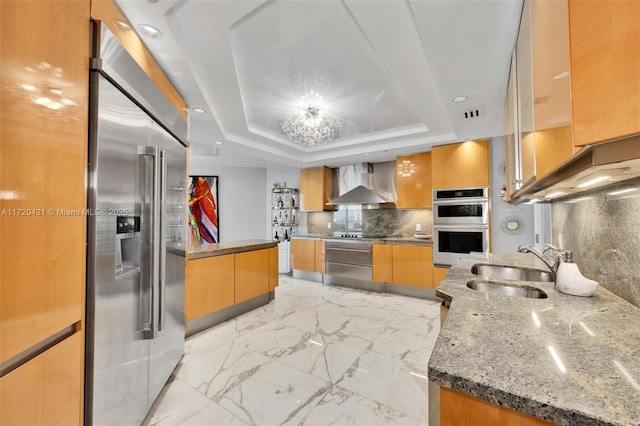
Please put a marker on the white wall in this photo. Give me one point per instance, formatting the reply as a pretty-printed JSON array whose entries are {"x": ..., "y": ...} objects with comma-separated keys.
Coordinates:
[
  {"x": 282, "y": 174},
  {"x": 242, "y": 198},
  {"x": 503, "y": 242}
]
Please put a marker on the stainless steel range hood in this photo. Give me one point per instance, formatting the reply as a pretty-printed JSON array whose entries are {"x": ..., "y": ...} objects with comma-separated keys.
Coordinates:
[{"x": 365, "y": 183}]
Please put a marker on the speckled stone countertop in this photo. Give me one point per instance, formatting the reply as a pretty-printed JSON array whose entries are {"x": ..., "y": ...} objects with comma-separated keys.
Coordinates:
[
  {"x": 376, "y": 240},
  {"x": 208, "y": 250},
  {"x": 502, "y": 349}
]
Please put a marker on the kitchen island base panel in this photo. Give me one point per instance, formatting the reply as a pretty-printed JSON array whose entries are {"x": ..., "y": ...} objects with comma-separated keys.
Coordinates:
[
  {"x": 307, "y": 275},
  {"x": 203, "y": 323},
  {"x": 411, "y": 291}
]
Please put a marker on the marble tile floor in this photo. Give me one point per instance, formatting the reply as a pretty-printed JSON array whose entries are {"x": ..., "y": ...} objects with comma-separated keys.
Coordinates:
[{"x": 316, "y": 355}]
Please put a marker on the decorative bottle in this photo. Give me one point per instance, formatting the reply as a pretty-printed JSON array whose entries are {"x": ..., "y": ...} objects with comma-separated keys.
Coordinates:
[
  {"x": 286, "y": 235},
  {"x": 570, "y": 280},
  {"x": 276, "y": 237}
]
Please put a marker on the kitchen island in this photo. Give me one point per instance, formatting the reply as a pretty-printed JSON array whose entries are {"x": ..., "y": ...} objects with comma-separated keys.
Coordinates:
[
  {"x": 227, "y": 279},
  {"x": 565, "y": 359}
]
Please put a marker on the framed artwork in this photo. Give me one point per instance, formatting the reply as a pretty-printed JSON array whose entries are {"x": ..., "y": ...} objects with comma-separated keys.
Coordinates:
[{"x": 204, "y": 220}]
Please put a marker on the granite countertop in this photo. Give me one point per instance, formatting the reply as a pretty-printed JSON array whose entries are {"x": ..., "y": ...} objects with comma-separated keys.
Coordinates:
[
  {"x": 502, "y": 349},
  {"x": 218, "y": 249},
  {"x": 376, "y": 240}
]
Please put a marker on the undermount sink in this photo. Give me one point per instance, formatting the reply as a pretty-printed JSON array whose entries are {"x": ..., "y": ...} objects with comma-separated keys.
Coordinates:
[
  {"x": 511, "y": 273},
  {"x": 504, "y": 289}
]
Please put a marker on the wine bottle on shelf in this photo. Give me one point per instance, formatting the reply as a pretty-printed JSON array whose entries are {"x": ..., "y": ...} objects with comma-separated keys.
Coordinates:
[
  {"x": 276, "y": 237},
  {"x": 286, "y": 235}
]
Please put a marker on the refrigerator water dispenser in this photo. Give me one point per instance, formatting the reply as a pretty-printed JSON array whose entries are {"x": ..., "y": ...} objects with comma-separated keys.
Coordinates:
[{"x": 128, "y": 242}]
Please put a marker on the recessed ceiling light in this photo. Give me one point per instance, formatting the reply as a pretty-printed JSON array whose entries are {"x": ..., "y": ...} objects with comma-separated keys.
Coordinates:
[
  {"x": 366, "y": 154},
  {"x": 198, "y": 110},
  {"x": 459, "y": 99},
  {"x": 219, "y": 142},
  {"x": 298, "y": 164},
  {"x": 150, "y": 31}
]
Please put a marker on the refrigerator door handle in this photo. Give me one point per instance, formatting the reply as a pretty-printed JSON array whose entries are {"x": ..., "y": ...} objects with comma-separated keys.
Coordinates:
[
  {"x": 149, "y": 287},
  {"x": 163, "y": 241}
]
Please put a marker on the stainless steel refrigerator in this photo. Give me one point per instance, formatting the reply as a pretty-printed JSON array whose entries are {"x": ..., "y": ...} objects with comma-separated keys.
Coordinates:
[{"x": 135, "y": 251}]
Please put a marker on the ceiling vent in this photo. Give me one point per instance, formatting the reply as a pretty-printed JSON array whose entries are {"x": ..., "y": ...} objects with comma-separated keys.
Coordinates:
[{"x": 472, "y": 113}]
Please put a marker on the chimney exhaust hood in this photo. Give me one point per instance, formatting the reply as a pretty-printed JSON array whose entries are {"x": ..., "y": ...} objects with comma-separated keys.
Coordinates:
[{"x": 366, "y": 183}]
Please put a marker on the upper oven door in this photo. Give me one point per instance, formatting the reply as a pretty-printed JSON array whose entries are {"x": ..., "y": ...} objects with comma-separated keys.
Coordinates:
[{"x": 461, "y": 212}]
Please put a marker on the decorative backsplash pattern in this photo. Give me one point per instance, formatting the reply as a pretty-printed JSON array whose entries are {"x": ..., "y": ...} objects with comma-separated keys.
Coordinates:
[
  {"x": 601, "y": 228},
  {"x": 375, "y": 222}
]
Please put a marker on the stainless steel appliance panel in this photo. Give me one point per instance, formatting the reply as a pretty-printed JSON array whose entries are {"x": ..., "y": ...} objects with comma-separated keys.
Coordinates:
[
  {"x": 354, "y": 272},
  {"x": 168, "y": 346},
  {"x": 452, "y": 241},
  {"x": 120, "y": 355},
  {"x": 462, "y": 212},
  {"x": 349, "y": 252}
]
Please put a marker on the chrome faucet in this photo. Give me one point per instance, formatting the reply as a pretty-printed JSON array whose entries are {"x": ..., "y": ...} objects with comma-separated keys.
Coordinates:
[{"x": 557, "y": 255}]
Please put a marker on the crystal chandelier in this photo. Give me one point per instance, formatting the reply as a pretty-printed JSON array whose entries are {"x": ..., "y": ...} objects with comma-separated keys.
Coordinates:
[{"x": 311, "y": 122}]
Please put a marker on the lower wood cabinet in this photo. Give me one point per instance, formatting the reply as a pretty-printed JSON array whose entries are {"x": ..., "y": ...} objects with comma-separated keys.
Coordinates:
[
  {"x": 308, "y": 255},
  {"x": 46, "y": 390},
  {"x": 209, "y": 285},
  {"x": 382, "y": 263},
  {"x": 459, "y": 409},
  {"x": 273, "y": 268},
  {"x": 302, "y": 254},
  {"x": 438, "y": 274},
  {"x": 412, "y": 265},
  {"x": 252, "y": 274}
]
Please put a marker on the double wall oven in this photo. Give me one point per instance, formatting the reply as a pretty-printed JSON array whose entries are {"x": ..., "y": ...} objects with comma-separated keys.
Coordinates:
[{"x": 460, "y": 223}]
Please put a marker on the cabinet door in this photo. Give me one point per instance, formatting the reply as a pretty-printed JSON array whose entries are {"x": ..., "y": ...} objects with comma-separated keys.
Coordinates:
[
  {"x": 273, "y": 267},
  {"x": 43, "y": 165},
  {"x": 512, "y": 170},
  {"x": 316, "y": 189},
  {"x": 47, "y": 390},
  {"x": 209, "y": 285},
  {"x": 382, "y": 263},
  {"x": 551, "y": 84},
  {"x": 252, "y": 274},
  {"x": 438, "y": 275},
  {"x": 524, "y": 70},
  {"x": 460, "y": 165},
  {"x": 319, "y": 256},
  {"x": 412, "y": 265},
  {"x": 605, "y": 69},
  {"x": 413, "y": 181},
  {"x": 302, "y": 254}
]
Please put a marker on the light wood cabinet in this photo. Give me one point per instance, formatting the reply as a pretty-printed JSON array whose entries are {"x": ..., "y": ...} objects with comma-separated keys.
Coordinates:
[
  {"x": 252, "y": 274},
  {"x": 273, "y": 268},
  {"x": 209, "y": 285},
  {"x": 459, "y": 409},
  {"x": 605, "y": 69},
  {"x": 413, "y": 181},
  {"x": 46, "y": 390},
  {"x": 316, "y": 189},
  {"x": 438, "y": 275},
  {"x": 460, "y": 165},
  {"x": 412, "y": 265},
  {"x": 319, "y": 256},
  {"x": 551, "y": 85},
  {"x": 382, "y": 263},
  {"x": 303, "y": 254},
  {"x": 43, "y": 163}
]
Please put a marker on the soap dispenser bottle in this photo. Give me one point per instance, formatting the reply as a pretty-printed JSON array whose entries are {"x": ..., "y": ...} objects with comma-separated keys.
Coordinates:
[{"x": 570, "y": 280}]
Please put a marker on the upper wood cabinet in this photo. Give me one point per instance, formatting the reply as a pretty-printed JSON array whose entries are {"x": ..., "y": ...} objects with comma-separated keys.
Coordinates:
[
  {"x": 460, "y": 165},
  {"x": 413, "y": 181},
  {"x": 605, "y": 69},
  {"x": 412, "y": 265},
  {"x": 551, "y": 84},
  {"x": 316, "y": 189},
  {"x": 43, "y": 165}
]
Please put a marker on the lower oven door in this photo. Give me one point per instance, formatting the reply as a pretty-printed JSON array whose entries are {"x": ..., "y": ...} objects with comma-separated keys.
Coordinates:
[{"x": 450, "y": 242}]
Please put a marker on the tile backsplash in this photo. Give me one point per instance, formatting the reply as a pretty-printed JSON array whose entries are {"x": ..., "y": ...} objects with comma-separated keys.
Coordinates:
[
  {"x": 374, "y": 222},
  {"x": 601, "y": 228}
]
